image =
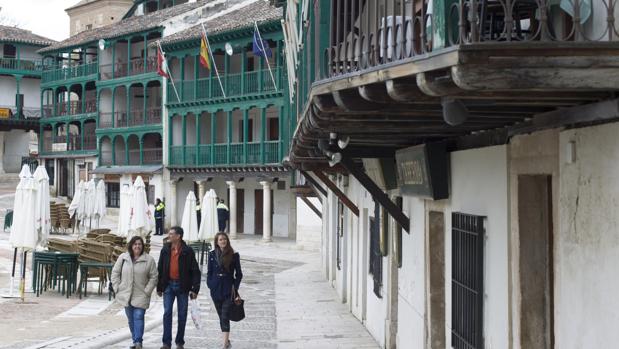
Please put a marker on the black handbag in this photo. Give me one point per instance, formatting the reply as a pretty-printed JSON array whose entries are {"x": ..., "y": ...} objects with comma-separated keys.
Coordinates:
[
  {"x": 110, "y": 288},
  {"x": 237, "y": 311}
]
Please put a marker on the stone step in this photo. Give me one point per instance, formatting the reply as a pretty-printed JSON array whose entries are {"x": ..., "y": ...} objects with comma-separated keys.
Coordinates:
[{"x": 9, "y": 178}]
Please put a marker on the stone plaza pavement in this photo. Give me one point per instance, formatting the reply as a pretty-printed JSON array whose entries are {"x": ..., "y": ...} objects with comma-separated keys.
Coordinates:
[{"x": 288, "y": 305}]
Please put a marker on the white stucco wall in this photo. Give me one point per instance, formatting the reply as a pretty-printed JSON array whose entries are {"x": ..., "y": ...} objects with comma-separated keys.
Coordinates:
[
  {"x": 587, "y": 245},
  {"x": 479, "y": 186},
  {"x": 411, "y": 278},
  {"x": 31, "y": 88},
  {"x": 9, "y": 89},
  {"x": 308, "y": 225},
  {"x": 15, "y": 146}
]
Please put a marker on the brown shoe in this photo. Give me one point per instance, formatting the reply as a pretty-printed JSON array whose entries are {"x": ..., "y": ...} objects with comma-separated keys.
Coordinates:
[{"x": 165, "y": 346}]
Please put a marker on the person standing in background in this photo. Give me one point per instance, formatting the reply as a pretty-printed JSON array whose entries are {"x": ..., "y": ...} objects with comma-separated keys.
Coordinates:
[
  {"x": 223, "y": 215},
  {"x": 159, "y": 212}
]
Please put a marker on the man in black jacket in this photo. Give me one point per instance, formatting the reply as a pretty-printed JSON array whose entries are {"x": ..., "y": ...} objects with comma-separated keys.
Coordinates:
[{"x": 179, "y": 277}]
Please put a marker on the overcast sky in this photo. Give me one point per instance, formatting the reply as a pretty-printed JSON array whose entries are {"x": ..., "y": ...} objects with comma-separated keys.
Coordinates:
[{"x": 43, "y": 17}]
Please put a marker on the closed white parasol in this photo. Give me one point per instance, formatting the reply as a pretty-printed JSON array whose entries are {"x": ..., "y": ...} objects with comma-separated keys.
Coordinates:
[
  {"x": 208, "y": 222},
  {"x": 124, "y": 213},
  {"x": 23, "y": 230},
  {"x": 189, "y": 223},
  {"x": 140, "y": 223},
  {"x": 42, "y": 218},
  {"x": 100, "y": 210}
]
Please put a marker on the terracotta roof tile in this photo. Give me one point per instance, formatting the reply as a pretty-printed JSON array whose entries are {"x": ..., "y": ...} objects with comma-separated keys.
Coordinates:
[
  {"x": 124, "y": 27},
  {"x": 260, "y": 11},
  {"x": 17, "y": 35}
]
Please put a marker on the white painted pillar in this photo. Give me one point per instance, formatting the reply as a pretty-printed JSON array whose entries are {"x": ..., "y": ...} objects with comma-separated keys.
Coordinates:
[
  {"x": 1, "y": 152},
  {"x": 172, "y": 203},
  {"x": 232, "y": 187},
  {"x": 201, "y": 191},
  {"x": 266, "y": 211}
]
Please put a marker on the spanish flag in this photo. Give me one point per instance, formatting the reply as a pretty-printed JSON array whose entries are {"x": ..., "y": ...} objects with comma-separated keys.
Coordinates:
[{"x": 204, "y": 59}]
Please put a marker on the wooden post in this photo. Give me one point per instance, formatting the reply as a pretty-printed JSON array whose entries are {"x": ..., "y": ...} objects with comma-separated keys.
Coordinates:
[
  {"x": 343, "y": 198},
  {"x": 377, "y": 193}
]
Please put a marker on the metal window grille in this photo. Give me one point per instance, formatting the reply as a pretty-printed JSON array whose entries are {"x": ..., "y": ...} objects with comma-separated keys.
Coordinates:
[
  {"x": 467, "y": 282},
  {"x": 113, "y": 194},
  {"x": 340, "y": 233},
  {"x": 376, "y": 258}
]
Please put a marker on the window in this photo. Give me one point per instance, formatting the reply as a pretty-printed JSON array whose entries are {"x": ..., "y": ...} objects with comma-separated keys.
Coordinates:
[
  {"x": 9, "y": 51},
  {"x": 113, "y": 194},
  {"x": 467, "y": 280},
  {"x": 340, "y": 233},
  {"x": 273, "y": 129},
  {"x": 88, "y": 26},
  {"x": 49, "y": 167},
  {"x": 150, "y": 194},
  {"x": 376, "y": 258}
]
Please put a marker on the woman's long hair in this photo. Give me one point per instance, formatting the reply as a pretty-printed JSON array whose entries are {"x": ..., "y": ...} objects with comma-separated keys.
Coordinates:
[
  {"x": 130, "y": 245},
  {"x": 227, "y": 254}
]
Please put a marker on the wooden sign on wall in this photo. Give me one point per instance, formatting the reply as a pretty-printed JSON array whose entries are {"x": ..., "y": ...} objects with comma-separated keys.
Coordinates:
[{"x": 423, "y": 171}]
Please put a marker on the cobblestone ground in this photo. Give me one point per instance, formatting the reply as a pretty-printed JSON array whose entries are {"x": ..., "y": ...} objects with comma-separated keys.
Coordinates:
[{"x": 257, "y": 330}]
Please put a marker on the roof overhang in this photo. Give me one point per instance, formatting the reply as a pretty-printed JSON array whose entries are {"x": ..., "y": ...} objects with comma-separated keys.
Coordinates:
[
  {"x": 145, "y": 169},
  {"x": 502, "y": 85}
]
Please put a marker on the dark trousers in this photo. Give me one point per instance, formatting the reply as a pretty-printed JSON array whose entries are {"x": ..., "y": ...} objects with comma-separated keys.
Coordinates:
[
  {"x": 223, "y": 310},
  {"x": 158, "y": 226},
  {"x": 172, "y": 292}
]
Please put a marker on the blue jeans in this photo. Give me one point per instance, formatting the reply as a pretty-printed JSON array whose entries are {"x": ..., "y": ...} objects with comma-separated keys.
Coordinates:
[
  {"x": 135, "y": 316},
  {"x": 182, "y": 302}
]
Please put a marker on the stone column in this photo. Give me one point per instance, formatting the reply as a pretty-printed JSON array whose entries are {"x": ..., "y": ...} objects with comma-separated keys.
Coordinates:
[
  {"x": 232, "y": 203},
  {"x": 1, "y": 152},
  {"x": 201, "y": 191},
  {"x": 266, "y": 211},
  {"x": 171, "y": 203}
]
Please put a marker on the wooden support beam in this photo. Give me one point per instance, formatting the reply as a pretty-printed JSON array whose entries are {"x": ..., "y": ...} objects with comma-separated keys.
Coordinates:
[
  {"x": 377, "y": 193},
  {"x": 343, "y": 198},
  {"x": 312, "y": 206},
  {"x": 314, "y": 183}
]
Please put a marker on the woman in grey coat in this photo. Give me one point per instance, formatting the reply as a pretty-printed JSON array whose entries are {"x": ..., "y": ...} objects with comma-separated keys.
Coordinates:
[{"x": 134, "y": 277}]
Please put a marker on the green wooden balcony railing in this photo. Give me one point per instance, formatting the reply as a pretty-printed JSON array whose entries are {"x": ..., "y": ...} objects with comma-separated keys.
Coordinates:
[
  {"x": 51, "y": 74},
  {"x": 217, "y": 154},
  {"x": 235, "y": 85},
  {"x": 21, "y": 64}
]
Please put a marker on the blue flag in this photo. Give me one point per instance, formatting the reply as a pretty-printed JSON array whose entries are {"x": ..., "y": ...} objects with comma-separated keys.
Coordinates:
[{"x": 261, "y": 47}]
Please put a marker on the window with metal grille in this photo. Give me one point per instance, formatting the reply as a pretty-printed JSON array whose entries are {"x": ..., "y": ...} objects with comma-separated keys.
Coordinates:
[
  {"x": 339, "y": 233},
  {"x": 467, "y": 281},
  {"x": 376, "y": 257},
  {"x": 113, "y": 194}
]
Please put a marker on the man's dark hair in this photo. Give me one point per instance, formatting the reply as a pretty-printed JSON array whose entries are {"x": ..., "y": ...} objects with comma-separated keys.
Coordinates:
[
  {"x": 130, "y": 245},
  {"x": 178, "y": 230}
]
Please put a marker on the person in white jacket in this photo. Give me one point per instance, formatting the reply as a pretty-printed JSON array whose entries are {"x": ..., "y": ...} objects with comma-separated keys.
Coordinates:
[{"x": 134, "y": 278}]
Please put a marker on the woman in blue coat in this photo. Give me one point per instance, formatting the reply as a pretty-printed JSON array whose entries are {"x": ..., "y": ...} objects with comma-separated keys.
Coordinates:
[{"x": 223, "y": 279}]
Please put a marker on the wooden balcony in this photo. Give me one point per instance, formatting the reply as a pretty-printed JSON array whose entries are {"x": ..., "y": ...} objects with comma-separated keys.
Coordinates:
[
  {"x": 72, "y": 144},
  {"x": 389, "y": 71},
  {"x": 71, "y": 108},
  {"x": 135, "y": 118},
  {"x": 134, "y": 67},
  {"x": 53, "y": 74},
  {"x": 20, "y": 66},
  {"x": 249, "y": 84},
  {"x": 233, "y": 154}
]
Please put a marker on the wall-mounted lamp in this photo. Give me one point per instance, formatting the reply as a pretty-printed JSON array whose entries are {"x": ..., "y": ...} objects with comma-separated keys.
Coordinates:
[{"x": 454, "y": 111}]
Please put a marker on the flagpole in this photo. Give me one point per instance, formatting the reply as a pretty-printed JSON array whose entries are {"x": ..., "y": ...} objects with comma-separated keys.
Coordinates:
[
  {"x": 265, "y": 54},
  {"x": 213, "y": 59},
  {"x": 165, "y": 61}
]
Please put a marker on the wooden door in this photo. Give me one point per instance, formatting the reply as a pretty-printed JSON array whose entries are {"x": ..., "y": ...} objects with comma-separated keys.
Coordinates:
[{"x": 258, "y": 212}]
